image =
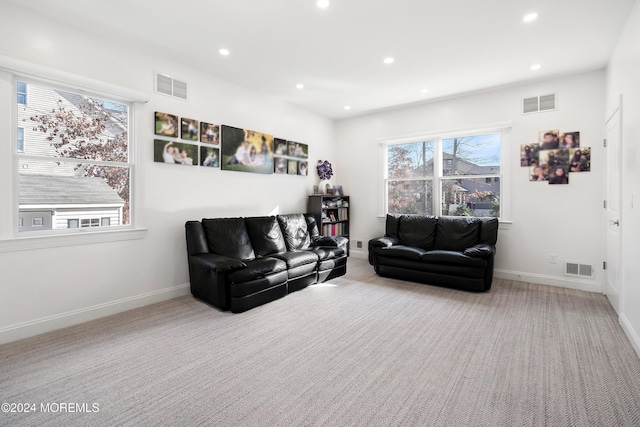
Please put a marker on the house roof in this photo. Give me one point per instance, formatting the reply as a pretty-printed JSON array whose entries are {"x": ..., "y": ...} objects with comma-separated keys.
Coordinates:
[
  {"x": 465, "y": 167},
  {"x": 66, "y": 190}
]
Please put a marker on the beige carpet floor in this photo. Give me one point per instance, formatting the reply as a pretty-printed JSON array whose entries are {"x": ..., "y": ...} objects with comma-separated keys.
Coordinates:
[{"x": 362, "y": 350}]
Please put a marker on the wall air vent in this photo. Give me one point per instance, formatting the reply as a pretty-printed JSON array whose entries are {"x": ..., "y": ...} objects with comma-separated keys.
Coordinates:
[
  {"x": 577, "y": 269},
  {"x": 167, "y": 85},
  {"x": 538, "y": 104}
]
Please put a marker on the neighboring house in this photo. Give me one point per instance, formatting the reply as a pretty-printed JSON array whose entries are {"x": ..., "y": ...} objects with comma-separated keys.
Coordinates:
[
  {"x": 50, "y": 202},
  {"x": 462, "y": 191},
  {"x": 54, "y": 194}
]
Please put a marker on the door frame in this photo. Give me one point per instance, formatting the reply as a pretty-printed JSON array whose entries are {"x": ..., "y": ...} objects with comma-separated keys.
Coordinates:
[{"x": 617, "y": 110}]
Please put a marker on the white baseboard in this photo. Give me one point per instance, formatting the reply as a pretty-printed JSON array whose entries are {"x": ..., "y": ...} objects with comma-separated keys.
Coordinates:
[
  {"x": 74, "y": 317},
  {"x": 633, "y": 336},
  {"x": 542, "y": 279},
  {"x": 358, "y": 254}
]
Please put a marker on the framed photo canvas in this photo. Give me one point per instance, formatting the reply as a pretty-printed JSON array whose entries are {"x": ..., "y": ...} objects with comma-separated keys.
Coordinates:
[
  {"x": 209, "y": 133},
  {"x": 244, "y": 150},
  {"x": 292, "y": 167},
  {"x": 209, "y": 157},
  {"x": 175, "y": 153},
  {"x": 189, "y": 129},
  {"x": 166, "y": 124},
  {"x": 280, "y": 166},
  {"x": 297, "y": 150}
]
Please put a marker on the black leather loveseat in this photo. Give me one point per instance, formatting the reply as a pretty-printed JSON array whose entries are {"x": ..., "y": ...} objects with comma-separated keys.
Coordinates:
[
  {"x": 455, "y": 252},
  {"x": 239, "y": 263}
]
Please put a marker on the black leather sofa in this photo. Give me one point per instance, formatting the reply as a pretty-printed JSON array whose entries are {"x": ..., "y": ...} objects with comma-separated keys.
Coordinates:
[
  {"x": 454, "y": 252},
  {"x": 239, "y": 263}
]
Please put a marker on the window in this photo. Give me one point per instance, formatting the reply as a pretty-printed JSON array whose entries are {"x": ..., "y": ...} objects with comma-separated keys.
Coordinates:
[
  {"x": 467, "y": 184},
  {"x": 20, "y": 140},
  {"x": 73, "y": 156},
  {"x": 409, "y": 186},
  {"x": 22, "y": 93},
  {"x": 90, "y": 222}
]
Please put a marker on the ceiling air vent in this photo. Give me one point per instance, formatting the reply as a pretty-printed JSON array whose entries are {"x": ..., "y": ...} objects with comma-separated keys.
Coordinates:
[
  {"x": 577, "y": 269},
  {"x": 169, "y": 86},
  {"x": 538, "y": 104}
]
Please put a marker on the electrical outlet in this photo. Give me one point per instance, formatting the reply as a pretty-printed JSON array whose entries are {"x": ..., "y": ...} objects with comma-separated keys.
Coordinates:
[
  {"x": 553, "y": 258},
  {"x": 358, "y": 244}
]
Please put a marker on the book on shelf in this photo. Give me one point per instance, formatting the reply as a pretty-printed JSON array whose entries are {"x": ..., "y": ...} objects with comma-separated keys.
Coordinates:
[{"x": 334, "y": 229}]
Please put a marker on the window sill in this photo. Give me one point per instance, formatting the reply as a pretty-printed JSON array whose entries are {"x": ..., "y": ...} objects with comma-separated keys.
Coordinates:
[{"x": 75, "y": 239}]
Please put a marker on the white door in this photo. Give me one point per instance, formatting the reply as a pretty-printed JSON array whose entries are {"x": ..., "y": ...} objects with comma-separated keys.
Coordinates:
[{"x": 613, "y": 192}]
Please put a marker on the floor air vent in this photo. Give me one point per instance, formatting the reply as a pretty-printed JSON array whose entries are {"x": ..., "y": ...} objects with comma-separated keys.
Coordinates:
[
  {"x": 577, "y": 269},
  {"x": 169, "y": 86},
  {"x": 538, "y": 104}
]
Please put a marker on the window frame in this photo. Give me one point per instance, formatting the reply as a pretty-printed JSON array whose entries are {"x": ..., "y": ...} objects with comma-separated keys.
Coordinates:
[
  {"x": 438, "y": 167},
  {"x": 18, "y": 128},
  {"x": 26, "y": 95},
  {"x": 129, "y": 164},
  {"x": 11, "y": 239}
]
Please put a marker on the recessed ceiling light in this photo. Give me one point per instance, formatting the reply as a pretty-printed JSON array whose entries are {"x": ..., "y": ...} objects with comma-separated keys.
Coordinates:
[
  {"x": 323, "y": 4},
  {"x": 299, "y": 86},
  {"x": 530, "y": 17},
  {"x": 347, "y": 107},
  {"x": 424, "y": 91},
  {"x": 389, "y": 60},
  {"x": 536, "y": 67},
  {"x": 224, "y": 52}
]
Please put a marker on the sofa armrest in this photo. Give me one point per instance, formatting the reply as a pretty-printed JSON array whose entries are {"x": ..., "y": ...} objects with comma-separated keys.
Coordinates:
[
  {"x": 481, "y": 251},
  {"x": 380, "y": 243},
  {"x": 329, "y": 241},
  {"x": 383, "y": 242},
  {"x": 216, "y": 263}
]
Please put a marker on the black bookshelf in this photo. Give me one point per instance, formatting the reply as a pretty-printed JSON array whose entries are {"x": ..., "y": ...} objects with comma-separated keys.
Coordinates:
[{"x": 332, "y": 214}]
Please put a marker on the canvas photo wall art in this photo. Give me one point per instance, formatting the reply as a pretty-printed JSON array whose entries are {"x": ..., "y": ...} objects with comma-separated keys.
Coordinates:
[
  {"x": 555, "y": 156},
  {"x": 166, "y": 124},
  {"x": 209, "y": 133},
  {"x": 303, "y": 168},
  {"x": 189, "y": 129},
  {"x": 175, "y": 153},
  {"x": 293, "y": 167},
  {"x": 298, "y": 150},
  {"x": 245, "y": 150},
  {"x": 280, "y": 167},
  {"x": 209, "y": 156},
  {"x": 580, "y": 160}
]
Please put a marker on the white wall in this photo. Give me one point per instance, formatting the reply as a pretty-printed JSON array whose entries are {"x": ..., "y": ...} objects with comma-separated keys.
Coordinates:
[
  {"x": 623, "y": 79},
  {"x": 46, "y": 288},
  {"x": 566, "y": 220}
]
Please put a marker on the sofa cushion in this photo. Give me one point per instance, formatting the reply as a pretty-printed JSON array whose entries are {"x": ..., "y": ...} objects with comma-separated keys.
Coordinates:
[
  {"x": 418, "y": 231},
  {"x": 297, "y": 258},
  {"x": 391, "y": 226},
  {"x": 489, "y": 231},
  {"x": 295, "y": 232},
  {"x": 443, "y": 270},
  {"x": 404, "y": 252},
  {"x": 266, "y": 237},
  {"x": 452, "y": 258},
  {"x": 257, "y": 268},
  {"x": 312, "y": 225},
  {"x": 457, "y": 233},
  {"x": 228, "y": 237},
  {"x": 325, "y": 252}
]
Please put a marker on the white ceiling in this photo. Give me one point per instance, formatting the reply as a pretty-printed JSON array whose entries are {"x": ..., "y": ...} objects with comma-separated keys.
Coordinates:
[{"x": 445, "y": 46}]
